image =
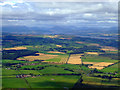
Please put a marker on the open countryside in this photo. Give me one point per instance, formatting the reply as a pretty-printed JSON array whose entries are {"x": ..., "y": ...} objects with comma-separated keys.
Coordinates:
[
  {"x": 60, "y": 45},
  {"x": 45, "y": 63}
]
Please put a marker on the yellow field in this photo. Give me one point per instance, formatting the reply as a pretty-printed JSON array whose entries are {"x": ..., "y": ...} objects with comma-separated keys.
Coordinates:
[
  {"x": 40, "y": 57},
  {"x": 93, "y": 44},
  {"x": 64, "y": 59},
  {"x": 15, "y": 48},
  {"x": 105, "y": 64},
  {"x": 89, "y": 44},
  {"x": 58, "y": 45},
  {"x": 66, "y": 38},
  {"x": 56, "y": 52},
  {"x": 95, "y": 53},
  {"x": 80, "y": 42},
  {"x": 50, "y": 36},
  {"x": 40, "y": 53},
  {"x": 98, "y": 65},
  {"x": 75, "y": 59},
  {"x": 107, "y": 48},
  {"x": 28, "y": 46}
]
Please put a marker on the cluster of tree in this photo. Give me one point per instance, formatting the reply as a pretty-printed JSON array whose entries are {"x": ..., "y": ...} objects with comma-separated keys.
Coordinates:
[
  {"x": 11, "y": 41},
  {"x": 13, "y": 54},
  {"x": 95, "y": 71},
  {"x": 105, "y": 42},
  {"x": 110, "y": 55},
  {"x": 33, "y": 68},
  {"x": 63, "y": 74},
  {"x": 79, "y": 50},
  {"x": 104, "y": 76},
  {"x": 8, "y": 64},
  {"x": 68, "y": 69}
]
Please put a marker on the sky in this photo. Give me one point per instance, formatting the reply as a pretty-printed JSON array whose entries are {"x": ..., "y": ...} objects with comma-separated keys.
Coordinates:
[{"x": 50, "y": 14}]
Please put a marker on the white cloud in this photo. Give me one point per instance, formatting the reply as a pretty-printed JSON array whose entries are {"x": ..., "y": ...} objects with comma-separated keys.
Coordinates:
[
  {"x": 88, "y": 14},
  {"x": 53, "y": 13},
  {"x": 107, "y": 21},
  {"x": 9, "y": 2},
  {"x": 112, "y": 21},
  {"x": 12, "y": 20}
]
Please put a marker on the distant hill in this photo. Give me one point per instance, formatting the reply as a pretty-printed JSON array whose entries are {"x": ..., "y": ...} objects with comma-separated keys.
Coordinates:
[{"x": 58, "y": 30}]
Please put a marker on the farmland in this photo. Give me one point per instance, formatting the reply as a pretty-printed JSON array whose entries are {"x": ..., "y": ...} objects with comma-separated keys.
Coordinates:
[
  {"x": 40, "y": 57},
  {"x": 15, "y": 48},
  {"x": 53, "y": 81},
  {"x": 75, "y": 59},
  {"x": 58, "y": 61}
]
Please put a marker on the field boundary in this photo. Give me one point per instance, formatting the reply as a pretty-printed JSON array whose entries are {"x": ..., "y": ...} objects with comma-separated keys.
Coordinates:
[
  {"x": 78, "y": 84},
  {"x": 25, "y": 80},
  {"x": 68, "y": 58}
]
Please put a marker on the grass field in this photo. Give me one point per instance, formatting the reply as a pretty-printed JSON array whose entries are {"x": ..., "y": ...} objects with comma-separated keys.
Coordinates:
[
  {"x": 99, "y": 81},
  {"x": 54, "y": 60},
  {"x": 70, "y": 66},
  {"x": 50, "y": 65},
  {"x": 98, "y": 62},
  {"x": 10, "y": 81},
  {"x": 96, "y": 58},
  {"x": 60, "y": 58},
  {"x": 34, "y": 66},
  {"x": 35, "y": 72},
  {"x": 14, "y": 83},
  {"x": 53, "y": 81},
  {"x": 114, "y": 52},
  {"x": 113, "y": 68},
  {"x": 13, "y": 61},
  {"x": 54, "y": 70},
  {"x": 7, "y": 72}
]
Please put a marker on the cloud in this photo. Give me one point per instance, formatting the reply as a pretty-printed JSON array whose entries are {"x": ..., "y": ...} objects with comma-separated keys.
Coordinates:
[{"x": 60, "y": 14}]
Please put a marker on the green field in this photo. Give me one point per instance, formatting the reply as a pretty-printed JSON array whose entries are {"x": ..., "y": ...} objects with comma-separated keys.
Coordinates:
[
  {"x": 99, "y": 81},
  {"x": 34, "y": 66},
  {"x": 70, "y": 66},
  {"x": 53, "y": 81},
  {"x": 96, "y": 58},
  {"x": 54, "y": 60},
  {"x": 13, "y": 61},
  {"x": 12, "y": 82},
  {"x": 35, "y": 72},
  {"x": 6, "y": 72},
  {"x": 38, "y": 82},
  {"x": 55, "y": 72},
  {"x": 113, "y": 68},
  {"x": 60, "y": 58}
]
